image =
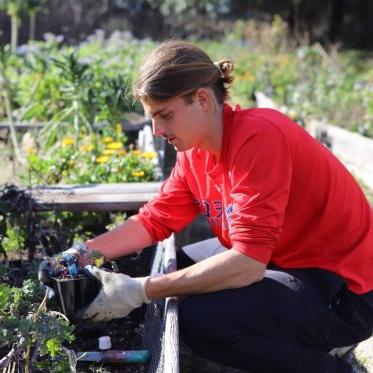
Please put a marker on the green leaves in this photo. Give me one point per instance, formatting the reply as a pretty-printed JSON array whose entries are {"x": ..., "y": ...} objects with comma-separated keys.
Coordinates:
[
  {"x": 4, "y": 55},
  {"x": 13, "y": 7},
  {"x": 113, "y": 98},
  {"x": 34, "y": 5},
  {"x": 106, "y": 161},
  {"x": 5, "y": 293},
  {"x": 72, "y": 70},
  {"x": 53, "y": 346},
  {"x": 45, "y": 334},
  {"x": 88, "y": 96}
]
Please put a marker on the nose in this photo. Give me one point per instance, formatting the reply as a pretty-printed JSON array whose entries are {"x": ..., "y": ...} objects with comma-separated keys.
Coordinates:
[{"x": 158, "y": 129}]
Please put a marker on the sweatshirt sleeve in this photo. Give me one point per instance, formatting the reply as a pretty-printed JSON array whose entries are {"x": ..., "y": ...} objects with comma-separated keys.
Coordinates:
[
  {"x": 260, "y": 179},
  {"x": 171, "y": 209}
]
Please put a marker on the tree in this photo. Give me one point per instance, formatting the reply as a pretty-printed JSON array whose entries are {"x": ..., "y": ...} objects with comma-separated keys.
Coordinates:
[
  {"x": 33, "y": 7},
  {"x": 13, "y": 8}
]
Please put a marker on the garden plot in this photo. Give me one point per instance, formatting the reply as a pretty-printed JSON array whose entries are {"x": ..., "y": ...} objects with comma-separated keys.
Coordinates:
[
  {"x": 126, "y": 333},
  {"x": 152, "y": 327}
]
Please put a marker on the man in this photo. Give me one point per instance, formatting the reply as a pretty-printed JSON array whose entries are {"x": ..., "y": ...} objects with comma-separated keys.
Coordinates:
[{"x": 290, "y": 278}]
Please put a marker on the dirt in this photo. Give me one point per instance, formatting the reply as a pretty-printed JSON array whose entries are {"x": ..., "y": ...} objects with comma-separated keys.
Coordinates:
[{"x": 125, "y": 333}]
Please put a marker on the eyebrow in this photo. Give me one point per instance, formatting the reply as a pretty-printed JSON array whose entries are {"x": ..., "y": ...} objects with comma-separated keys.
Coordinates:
[{"x": 152, "y": 115}]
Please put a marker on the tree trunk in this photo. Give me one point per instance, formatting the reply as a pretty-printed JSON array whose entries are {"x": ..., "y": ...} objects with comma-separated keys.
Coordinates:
[
  {"x": 14, "y": 32},
  {"x": 32, "y": 25}
]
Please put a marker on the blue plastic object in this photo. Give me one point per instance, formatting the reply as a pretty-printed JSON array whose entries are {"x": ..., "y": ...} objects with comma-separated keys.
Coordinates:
[{"x": 71, "y": 265}]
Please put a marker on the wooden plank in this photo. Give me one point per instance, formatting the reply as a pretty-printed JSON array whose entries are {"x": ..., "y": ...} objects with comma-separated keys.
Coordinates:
[
  {"x": 109, "y": 197},
  {"x": 171, "y": 330},
  {"x": 115, "y": 188},
  {"x": 133, "y": 124},
  {"x": 92, "y": 202},
  {"x": 22, "y": 125}
]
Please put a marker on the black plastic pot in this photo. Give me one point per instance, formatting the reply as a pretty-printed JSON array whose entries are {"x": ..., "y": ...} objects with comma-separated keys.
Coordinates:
[{"x": 75, "y": 293}]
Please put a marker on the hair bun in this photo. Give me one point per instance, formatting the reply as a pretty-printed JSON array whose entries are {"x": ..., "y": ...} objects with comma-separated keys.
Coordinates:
[{"x": 225, "y": 68}]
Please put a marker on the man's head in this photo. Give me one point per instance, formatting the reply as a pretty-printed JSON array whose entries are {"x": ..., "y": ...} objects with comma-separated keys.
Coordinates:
[
  {"x": 183, "y": 92},
  {"x": 176, "y": 68}
]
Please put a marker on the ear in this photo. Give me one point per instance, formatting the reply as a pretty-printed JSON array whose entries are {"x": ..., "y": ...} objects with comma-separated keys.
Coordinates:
[{"x": 203, "y": 98}]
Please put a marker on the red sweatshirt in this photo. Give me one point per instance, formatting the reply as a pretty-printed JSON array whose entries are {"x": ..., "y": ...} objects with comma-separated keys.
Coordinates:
[{"x": 275, "y": 195}]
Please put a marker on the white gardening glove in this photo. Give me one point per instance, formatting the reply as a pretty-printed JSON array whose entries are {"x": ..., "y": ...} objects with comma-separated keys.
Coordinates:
[{"x": 119, "y": 295}]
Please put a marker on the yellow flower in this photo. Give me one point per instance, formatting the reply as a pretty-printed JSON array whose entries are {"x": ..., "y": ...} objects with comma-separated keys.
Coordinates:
[
  {"x": 107, "y": 139},
  {"x": 109, "y": 152},
  {"x": 118, "y": 129},
  {"x": 98, "y": 262},
  {"x": 67, "y": 141},
  {"x": 136, "y": 152},
  {"x": 102, "y": 159},
  {"x": 87, "y": 148},
  {"x": 149, "y": 155},
  {"x": 138, "y": 173},
  {"x": 122, "y": 152},
  {"x": 114, "y": 145}
]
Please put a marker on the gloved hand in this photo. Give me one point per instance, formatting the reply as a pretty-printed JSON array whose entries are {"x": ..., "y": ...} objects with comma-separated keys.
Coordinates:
[
  {"x": 82, "y": 252},
  {"x": 119, "y": 295}
]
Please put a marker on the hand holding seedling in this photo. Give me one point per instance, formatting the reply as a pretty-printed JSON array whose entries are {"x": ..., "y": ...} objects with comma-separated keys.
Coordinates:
[{"x": 119, "y": 295}]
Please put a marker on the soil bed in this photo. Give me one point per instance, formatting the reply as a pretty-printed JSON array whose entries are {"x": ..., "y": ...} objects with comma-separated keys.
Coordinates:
[{"x": 125, "y": 333}]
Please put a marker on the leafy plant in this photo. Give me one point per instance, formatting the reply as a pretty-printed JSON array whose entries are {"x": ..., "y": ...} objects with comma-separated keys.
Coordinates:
[
  {"x": 6, "y": 90},
  {"x": 28, "y": 327},
  {"x": 77, "y": 94},
  {"x": 13, "y": 220},
  {"x": 106, "y": 161},
  {"x": 113, "y": 99}
]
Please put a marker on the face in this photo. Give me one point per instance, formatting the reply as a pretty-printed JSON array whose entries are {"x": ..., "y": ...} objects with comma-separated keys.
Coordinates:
[{"x": 179, "y": 122}]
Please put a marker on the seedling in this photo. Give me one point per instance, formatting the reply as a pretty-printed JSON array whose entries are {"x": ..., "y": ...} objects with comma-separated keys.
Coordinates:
[{"x": 74, "y": 285}]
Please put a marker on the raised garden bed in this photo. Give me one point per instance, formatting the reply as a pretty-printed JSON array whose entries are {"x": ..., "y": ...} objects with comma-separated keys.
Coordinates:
[{"x": 152, "y": 327}]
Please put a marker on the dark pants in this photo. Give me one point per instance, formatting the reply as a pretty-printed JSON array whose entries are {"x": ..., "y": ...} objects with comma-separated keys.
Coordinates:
[{"x": 285, "y": 323}]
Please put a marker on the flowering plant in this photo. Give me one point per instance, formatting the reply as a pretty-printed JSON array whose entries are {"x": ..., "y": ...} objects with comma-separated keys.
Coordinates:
[{"x": 102, "y": 159}]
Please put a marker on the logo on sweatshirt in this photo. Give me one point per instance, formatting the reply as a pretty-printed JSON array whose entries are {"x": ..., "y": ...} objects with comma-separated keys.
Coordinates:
[{"x": 213, "y": 212}]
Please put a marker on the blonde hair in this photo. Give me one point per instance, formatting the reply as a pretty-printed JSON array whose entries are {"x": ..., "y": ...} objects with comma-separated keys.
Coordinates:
[{"x": 177, "y": 68}]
